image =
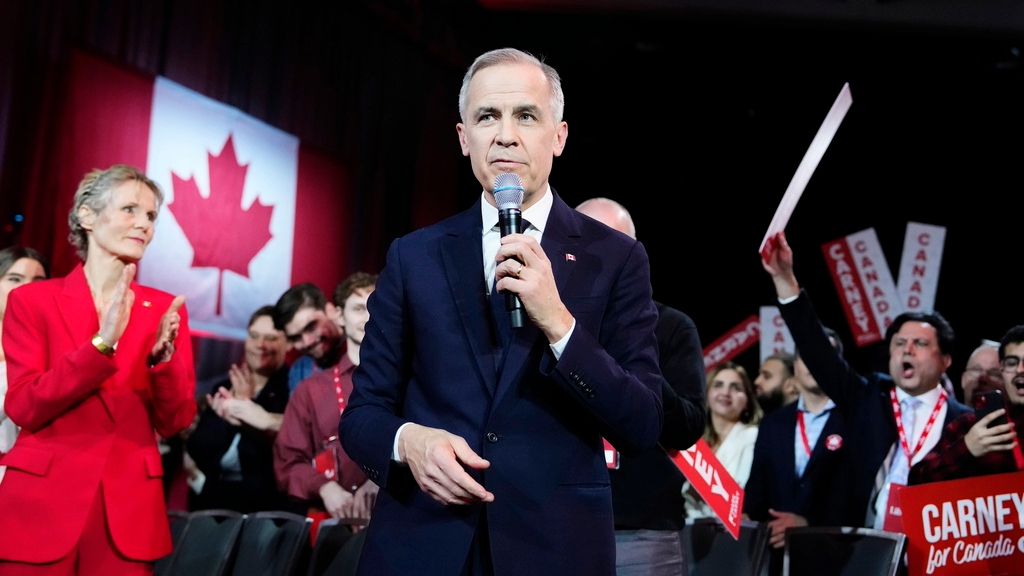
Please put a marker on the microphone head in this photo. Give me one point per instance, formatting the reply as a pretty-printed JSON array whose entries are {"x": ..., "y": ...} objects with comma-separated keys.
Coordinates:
[{"x": 508, "y": 191}]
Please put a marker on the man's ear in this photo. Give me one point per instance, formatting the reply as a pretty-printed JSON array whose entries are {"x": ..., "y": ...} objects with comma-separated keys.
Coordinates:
[{"x": 333, "y": 312}]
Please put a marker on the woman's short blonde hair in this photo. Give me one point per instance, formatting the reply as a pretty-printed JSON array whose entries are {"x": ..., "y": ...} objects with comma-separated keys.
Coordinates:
[{"x": 94, "y": 193}]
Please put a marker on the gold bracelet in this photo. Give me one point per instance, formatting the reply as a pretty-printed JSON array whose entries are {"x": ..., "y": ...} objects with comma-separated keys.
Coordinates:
[{"x": 104, "y": 348}]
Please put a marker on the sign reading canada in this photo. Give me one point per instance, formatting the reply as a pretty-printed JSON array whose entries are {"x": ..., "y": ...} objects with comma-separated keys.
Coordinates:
[{"x": 973, "y": 526}]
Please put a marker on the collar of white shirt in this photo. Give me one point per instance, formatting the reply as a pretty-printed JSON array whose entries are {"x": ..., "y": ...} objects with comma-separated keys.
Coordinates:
[
  {"x": 928, "y": 399},
  {"x": 802, "y": 406},
  {"x": 536, "y": 215}
]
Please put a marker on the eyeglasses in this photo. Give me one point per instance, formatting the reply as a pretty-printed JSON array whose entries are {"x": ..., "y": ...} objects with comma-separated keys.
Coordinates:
[{"x": 1010, "y": 363}]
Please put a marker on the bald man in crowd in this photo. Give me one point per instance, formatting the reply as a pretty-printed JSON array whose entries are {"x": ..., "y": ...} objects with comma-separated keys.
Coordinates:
[
  {"x": 985, "y": 358},
  {"x": 646, "y": 488}
]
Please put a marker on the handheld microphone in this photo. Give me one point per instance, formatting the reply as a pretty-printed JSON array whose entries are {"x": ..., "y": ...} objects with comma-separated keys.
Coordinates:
[{"x": 508, "y": 195}]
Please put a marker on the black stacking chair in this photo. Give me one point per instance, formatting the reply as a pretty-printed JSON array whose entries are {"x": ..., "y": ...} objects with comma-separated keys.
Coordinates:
[
  {"x": 708, "y": 549},
  {"x": 177, "y": 519},
  {"x": 271, "y": 544},
  {"x": 842, "y": 551},
  {"x": 206, "y": 544},
  {"x": 337, "y": 549}
]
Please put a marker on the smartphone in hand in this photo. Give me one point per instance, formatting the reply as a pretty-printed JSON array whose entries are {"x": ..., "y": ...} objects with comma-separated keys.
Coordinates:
[{"x": 988, "y": 402}]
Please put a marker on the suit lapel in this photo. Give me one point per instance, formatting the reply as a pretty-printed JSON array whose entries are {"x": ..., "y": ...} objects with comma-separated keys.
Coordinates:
[
  {"x": 789, "y": 448},
  {"x": 561, "y": 234},
  {"x": 462, "y": 255},
  {"x": 77, "y": 309},
  {"x": 818, "y": 451}
]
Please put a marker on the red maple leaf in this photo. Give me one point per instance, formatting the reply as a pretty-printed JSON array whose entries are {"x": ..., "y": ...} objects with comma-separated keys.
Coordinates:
[{"x": 222, "y": 234}]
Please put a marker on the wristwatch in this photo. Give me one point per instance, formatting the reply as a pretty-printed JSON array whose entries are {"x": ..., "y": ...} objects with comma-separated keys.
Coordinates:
[{"x": 103, "y": 347}]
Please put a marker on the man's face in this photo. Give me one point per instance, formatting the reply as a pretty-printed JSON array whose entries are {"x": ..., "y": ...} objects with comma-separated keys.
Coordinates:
[
  {"x": 510, "y": 127},
  {"x": 915, "y": 361},
  {"x": 354, "y": 316},
  {"x": 264, "y": 346},
  {"x": 983, "y": 360},
  {"x": 770, "y": 379},
  {"x": 312, "y": 333},
  {"x": 1013, "y": 372}
]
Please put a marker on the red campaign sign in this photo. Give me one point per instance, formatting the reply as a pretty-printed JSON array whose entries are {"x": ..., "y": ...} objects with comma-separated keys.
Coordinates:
[
  {"x": 713, "y": 482},
  {"x": 851, "y": 292},
  {"x": 733, "y": 343},
  {"x": 972, "y": 526}
]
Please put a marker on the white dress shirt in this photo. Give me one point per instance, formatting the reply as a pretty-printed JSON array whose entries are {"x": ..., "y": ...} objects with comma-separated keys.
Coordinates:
[
  {"x": 928, "y": 401},
  {"x": 536, "y": 215}
]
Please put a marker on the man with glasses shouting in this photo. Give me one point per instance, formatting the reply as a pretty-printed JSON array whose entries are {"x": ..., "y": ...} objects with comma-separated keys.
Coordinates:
[{"x": 988, "y": 440}]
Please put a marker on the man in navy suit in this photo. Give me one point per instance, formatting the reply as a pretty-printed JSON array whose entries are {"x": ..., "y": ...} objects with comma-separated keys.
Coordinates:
[
  {"x": 800, "y": 463},
  {"x": 899, "y": 416},
  {"x": 486, "y": 439}
]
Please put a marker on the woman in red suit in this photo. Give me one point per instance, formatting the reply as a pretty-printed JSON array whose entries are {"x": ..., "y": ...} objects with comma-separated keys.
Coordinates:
[{"x": 95, "y": 363}]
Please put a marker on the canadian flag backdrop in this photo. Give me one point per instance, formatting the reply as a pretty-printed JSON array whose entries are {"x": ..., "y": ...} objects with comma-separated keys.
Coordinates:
[{"x": 236, "y": 190}]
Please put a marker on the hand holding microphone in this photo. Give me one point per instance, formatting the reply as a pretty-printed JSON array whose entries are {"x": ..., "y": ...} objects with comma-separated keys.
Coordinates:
[
  {"x": 508, "y": 195},
  {"x": 524, "y": 271}
]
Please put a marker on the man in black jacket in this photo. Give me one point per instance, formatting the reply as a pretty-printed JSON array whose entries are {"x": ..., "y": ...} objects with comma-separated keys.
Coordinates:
[{"x": 646, "y": 486}]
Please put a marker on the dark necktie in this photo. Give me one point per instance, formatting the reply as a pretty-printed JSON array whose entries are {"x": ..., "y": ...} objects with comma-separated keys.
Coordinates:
[
  {"x": 503, "y": 328},
  {"x": 499, "y": 312}
]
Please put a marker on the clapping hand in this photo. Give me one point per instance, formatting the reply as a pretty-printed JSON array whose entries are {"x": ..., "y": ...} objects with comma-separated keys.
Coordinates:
[
  {"x": 115, "y": 317},
  {"x": 163, "y": 349},
  {"x": 242, "y": 386},
  {"x": 220, "y": 403}
]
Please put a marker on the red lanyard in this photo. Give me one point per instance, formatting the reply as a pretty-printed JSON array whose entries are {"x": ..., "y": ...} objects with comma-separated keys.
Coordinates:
[
  {"x": 803, "y": 431},
  {"x": 337, "y": 389},
  {"x": 927, "y": 427}
]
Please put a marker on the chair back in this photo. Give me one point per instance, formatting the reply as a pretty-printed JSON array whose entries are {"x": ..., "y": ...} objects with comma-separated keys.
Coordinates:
[
  {"x": 337, "y": 549},
  {"x": 206, "y": 544},
  {"x": 177, "y": 519},
  {"x": 709, "y": 549},
  {"x": 271, "y": 544},
  {"x": 842, "y": 551}
]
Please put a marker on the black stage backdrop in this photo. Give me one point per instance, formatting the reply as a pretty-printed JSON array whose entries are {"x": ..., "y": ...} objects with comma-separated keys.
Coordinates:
[{"x": 695, "y": 120}]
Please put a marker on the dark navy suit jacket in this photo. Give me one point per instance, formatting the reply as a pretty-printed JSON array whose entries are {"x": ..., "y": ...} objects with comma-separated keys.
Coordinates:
[
  {"x": 429, "y": 356},
  {"x": 820, "y": 494},
  {"x": 864, "y": 402}
]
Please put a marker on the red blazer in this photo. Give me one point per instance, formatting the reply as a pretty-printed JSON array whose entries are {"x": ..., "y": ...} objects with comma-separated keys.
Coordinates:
[{"x": 87, "y": 421}]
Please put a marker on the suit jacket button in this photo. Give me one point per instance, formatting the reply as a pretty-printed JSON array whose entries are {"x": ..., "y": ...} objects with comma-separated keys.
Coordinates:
[{"x": 492, "y": 437}]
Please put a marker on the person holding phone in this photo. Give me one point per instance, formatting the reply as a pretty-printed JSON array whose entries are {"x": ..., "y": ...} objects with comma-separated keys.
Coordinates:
[{"x": 988, "y": 440}]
